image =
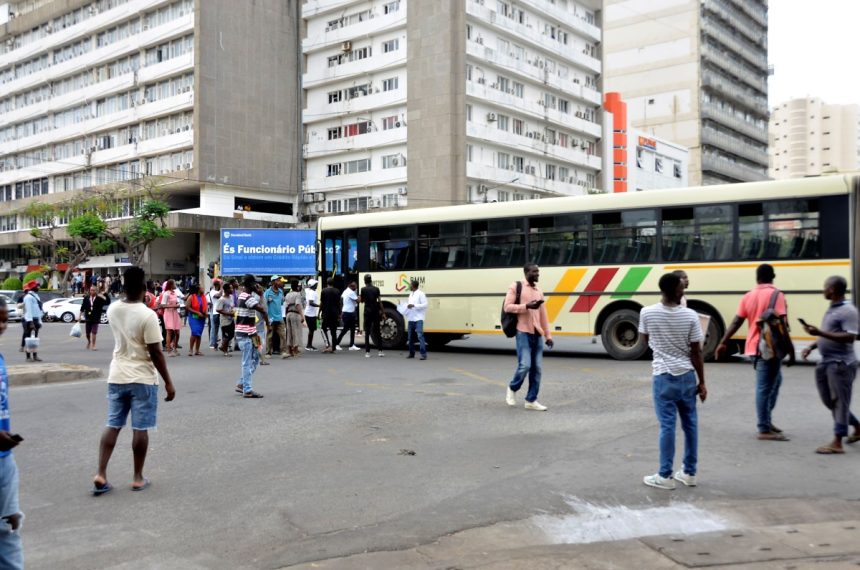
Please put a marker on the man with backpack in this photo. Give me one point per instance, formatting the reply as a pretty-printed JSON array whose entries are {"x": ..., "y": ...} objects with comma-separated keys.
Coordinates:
[{"x": 767, "y": 343}]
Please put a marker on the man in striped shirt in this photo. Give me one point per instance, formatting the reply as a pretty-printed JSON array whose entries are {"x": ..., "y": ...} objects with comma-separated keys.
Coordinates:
[
  {"x": 246, "y": 334},
  {"x": 674, "y": 334}
]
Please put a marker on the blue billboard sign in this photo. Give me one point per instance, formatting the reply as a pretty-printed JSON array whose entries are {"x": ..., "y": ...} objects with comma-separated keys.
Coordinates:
[{"x": 268, "y": 252}]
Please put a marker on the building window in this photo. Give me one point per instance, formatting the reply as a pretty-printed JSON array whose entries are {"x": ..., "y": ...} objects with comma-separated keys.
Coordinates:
[
  {"x": 519, "y": 163},
  {"x": 358, "y": 91},
  {"x": 391, "y": 7},
  {"x": 468, "y": 153},
  {"x": 676, "y": 168},
  {"x": 564, "y": 106},
  {"x": 504, "y": 160},
  {"x": 391, "y": 45},
  {"x": 361, "y": 165},
  {"x": 502, "y": 122},
  {"x": 550, "y": 172},
  {"x": 518, "y": 126},
  {"x": 390, "y": 84},
  {"x": 563, "y": 174},
  {"x": 335, "y": 96},
  {"x": 393, "y": 161},
  {"x": 334, "y": 133},
  {"x": 333, "y": 169},
  {"x": 658, "y": 164},
  {"x": 468, "y": 112},
  {"x": 389, "y": 123},
  {"x": 518, "y": 89}
]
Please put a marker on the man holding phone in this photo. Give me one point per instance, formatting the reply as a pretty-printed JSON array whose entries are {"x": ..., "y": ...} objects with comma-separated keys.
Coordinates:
[
  {"x": 532, "y": 332},
  {"x": 674, "y": 335},
  {"x": 11, "y": 551}
]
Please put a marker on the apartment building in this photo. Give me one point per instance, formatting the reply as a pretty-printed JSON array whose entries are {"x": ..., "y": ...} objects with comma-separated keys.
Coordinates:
[
  {"x": 467, "y": 100},
  {"x": 808, "y": 137},
  {"x": 196, "y": 95},
  {"x": 695, "y": 72}
]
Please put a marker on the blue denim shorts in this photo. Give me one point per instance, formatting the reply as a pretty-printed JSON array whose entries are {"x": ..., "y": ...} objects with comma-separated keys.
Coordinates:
[{"x": 139, "y": 399}]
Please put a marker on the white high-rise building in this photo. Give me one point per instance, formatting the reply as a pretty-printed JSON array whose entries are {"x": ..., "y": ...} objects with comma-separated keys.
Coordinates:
[
  {"x": 809, "y": 137},
  {"x": 470, "y": 101}
]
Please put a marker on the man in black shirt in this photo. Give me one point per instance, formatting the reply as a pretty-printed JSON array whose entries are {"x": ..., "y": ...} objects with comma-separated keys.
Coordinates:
[
  {"x": 372, "y": 299},
  {"x": 330, "y": 304}
]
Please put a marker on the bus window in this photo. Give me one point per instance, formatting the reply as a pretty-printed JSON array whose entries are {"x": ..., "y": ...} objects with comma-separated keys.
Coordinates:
[
  {"x": 792, "y": 229},
  {"x": 713, "y": 233},
  {"x": 498, "y": 243},
  {"x": 625, "y": 237},
  {"x": 333, "y": 248},
  {"x": 392, "y": 249},
  {"x": 678, "y": 234},
  {"x": 443, "y": 246},
  {"x": 751, "y": 231},
  {"x": 559, "y": 240}
]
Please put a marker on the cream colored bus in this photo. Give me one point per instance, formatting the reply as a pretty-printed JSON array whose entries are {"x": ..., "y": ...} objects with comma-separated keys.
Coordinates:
[{"x": 601, "y": 256}]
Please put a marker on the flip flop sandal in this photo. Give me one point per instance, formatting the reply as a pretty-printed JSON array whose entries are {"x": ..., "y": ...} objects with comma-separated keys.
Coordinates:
[
  {"x": 827, "y": 450},
  {"x": 239, "y": 390},
  {"x": 141, "y": 487},
  {"x": 852, "y": 439},
  {"x": 252, "y": 395},
  {"x": 101, "y": 489}
]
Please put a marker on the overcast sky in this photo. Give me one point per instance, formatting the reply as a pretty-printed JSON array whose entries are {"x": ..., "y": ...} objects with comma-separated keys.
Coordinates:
[{"x": 814, "y": 49}]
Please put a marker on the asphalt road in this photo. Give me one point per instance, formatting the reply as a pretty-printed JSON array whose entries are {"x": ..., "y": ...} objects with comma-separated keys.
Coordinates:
[{"x": 321, "y": 468}]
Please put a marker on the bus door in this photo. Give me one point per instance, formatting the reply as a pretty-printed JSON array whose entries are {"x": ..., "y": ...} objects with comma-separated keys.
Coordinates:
[{"x": 340, "y": 257}]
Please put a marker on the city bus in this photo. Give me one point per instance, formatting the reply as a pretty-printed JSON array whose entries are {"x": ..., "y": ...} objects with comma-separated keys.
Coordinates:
[{"x": 601, "y": 256}]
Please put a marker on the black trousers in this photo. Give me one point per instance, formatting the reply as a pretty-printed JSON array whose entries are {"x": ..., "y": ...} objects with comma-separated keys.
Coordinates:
[
  {"x": 349, "y": 320},
  {"x": 37, "y": 324},
  {"x": 312, "y": 327},
  {"x": 329, "y": 326},
  {"x": 371, "y": 328}
]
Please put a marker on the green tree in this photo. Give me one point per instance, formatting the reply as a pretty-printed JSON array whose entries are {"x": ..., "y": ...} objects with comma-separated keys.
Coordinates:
[
  {"x": 12, "y": 284},
  {"x": 148, "y": 224},
  {"x": 35, "y": 276}
]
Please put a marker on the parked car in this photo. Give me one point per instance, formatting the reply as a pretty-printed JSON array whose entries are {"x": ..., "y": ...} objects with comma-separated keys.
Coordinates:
[
  {"x": 11, "y": 309},
  {"x": 69, "y": 311},
  {"x": 47, "y": 305}
]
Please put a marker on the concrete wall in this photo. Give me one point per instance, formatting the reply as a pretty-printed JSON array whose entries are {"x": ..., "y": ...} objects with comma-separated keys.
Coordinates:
[
  {"x": 436, "y": 105},
  {"x": 246, "y": 116}
]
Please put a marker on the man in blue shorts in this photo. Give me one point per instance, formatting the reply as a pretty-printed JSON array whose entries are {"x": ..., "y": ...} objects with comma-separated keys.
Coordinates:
[{"x": 133, "y": 379}]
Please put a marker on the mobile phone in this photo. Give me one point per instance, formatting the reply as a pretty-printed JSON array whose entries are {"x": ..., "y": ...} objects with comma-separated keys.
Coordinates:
[
  {"x": 540, "y": 302},
  {"x": 802, "y": 322},
  {"x": 16, "y": 437}
]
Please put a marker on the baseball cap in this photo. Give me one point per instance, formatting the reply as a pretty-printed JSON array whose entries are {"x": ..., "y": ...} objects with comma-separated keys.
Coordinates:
[
  {"x": 312, "y": 282},
  {"x": 32, "y": 284}
]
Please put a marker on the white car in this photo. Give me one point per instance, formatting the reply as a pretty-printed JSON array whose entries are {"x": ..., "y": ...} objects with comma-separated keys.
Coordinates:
[
  {"x": 11, "y": 308},
  {"x": 48, "y": 305},
  {"x": 69, "y": 311}
]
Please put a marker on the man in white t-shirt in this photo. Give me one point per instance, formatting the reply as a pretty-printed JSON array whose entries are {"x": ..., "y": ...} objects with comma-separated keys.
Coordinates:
[
  {"x": 674, "y": 334},
  {"x": 312, "y": 311},
  {"x": 349, "y": 315},
  {"x": 416, "y": 309},
  {"x": 133, "y": 379}
]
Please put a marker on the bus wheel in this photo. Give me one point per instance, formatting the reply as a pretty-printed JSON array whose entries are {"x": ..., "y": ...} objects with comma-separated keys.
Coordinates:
[
  {"x": 392, "y": 329},
  {"x": 620, "y": 335},
  {"x": 712, "y": 337}
]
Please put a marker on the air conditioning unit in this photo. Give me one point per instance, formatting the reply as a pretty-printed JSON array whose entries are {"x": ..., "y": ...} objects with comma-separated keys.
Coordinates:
[
  {"x": 308, "y": 197},
  {"x": 346, "y": 46},
  {"x": 319, "y": 197},
  {"x": 374, "y": 203},
  {"x": 318, "y": 208},
  {"x": 397, "y": 124},
  {"x": 495, "y": 85},
  {"x": 395, "y": 161},
  {"x": 401, "y": 191},
  {"x": 187, "y": 166},
  {"x": 481, "y": 80},
  {"x": 530, "y": 135},
  {"x": 491, "y": 117},
  {"x": 479, "y": 40}
]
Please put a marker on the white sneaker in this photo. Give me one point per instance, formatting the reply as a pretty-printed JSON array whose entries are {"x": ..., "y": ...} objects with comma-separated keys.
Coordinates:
[
  {"x": 367, "y": 355},
  {"x": 659, "y": 482},
  {"x": 353, "y": 347},
  {"x": 536, "y": 406},
  {"x": 688, "y": 480},
  {"x": 511, "y": 398},
  {"x": 381, "y": 354},
  {"x": 338, "y": 348}
]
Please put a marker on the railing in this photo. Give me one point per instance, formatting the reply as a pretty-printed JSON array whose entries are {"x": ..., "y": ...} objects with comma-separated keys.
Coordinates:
[
  {"x": 724, "y": 87},
  {"x": 729, "y": 13},
  {"x": 725, "y": 61},
  {"x": 752, "y": 53},
  {"x": 711, "y": 111},
  {"x": 711, "y": 136},
  {"x": 721, "y": 165}
]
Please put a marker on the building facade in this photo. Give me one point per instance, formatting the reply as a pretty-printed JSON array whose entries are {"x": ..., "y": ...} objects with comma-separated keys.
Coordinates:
[
  {"x": 695, "y": 72},
  {"x": 468, "y": 100},
  {"x": 99, "y": 93},
  {"x": 809, "y": 137}
]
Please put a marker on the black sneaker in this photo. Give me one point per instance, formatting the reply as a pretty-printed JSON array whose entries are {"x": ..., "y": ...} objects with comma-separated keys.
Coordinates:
[{"x": 252, "y": 394}]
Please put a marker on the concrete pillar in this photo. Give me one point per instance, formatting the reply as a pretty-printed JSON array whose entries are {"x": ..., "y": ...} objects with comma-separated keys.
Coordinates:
[{"x": 210, "y": 244}]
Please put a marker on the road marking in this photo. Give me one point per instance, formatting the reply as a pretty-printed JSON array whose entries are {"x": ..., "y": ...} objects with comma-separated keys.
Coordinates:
[{"x": 477, "y": 377}]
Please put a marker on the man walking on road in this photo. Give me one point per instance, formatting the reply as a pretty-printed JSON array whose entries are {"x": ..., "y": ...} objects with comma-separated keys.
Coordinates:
[
  {"x": 373, "y": 315},
  {"x": 275, "y": 307},
  {"x": 214, "y": 295},
  {"x": 92, "y": 308},
  {"x": 674, "y": 334},
  {"x": 768, "y": 370},
  {"x": 349, "y": 315},
  {"x": 11, "y": 550},
  {"x": 312, "y": 311},
  {"x": 837, "y": 369},
  {"x": 532, "y": 332},
  {"x": 224, "y": 308},
  {"x": 330, "y": 299},
  {"x": 32, "y": 315},
  {"x": 416, "y": 308},
  {"x": 247, "y": 335},
  {"x": 133, "y": 379}
]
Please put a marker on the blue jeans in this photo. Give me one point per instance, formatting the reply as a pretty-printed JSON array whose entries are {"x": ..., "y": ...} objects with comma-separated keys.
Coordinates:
[
  {"x": 214, "y": 326},
  {"x": 250, "y": 361},
  {"x": 416, "y": 328},
  {"x": 677, "y": 395},
  {"x": 768, "y": 379},
  {"x": 139, "y": 399},
  {"x": 11, "y": 551},
  {"x": 529, "y": 362}
]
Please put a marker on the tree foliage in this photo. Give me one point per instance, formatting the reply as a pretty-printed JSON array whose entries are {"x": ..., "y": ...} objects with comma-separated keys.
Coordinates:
[
  {"x": 35, "y": 276},
  {"x": 12, "y": 284}
]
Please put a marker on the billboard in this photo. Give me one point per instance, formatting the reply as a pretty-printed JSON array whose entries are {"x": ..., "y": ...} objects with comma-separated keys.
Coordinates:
[{"x": 268, "y": 252}]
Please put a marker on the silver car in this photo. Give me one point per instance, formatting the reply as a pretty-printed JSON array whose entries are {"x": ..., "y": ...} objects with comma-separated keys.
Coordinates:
[{"x": 12, "y": 309}]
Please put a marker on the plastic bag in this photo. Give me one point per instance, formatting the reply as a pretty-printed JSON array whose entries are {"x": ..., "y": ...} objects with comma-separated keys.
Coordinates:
[
  {"x": 31, "y": 343},
  {"x": 76, "y": 330}
]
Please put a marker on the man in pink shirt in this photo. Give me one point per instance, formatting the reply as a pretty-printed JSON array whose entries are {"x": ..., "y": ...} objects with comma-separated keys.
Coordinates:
[
  {"x": 532, "y": 328},
  {"x": 768, "y": 372}
]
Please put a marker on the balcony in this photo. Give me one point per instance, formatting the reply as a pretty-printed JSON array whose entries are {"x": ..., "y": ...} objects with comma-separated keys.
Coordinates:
[
  {"x": 756, "y": 55},
  {"x": 734, "y": 145},
  {"x": 356, "y": 181},
  {"x": 104, "y": 54},
  {"x": 322, "y": 111},
  {"x": 715, "y": 163},
  {"x": 732, "y": 18},
  {"x": 578, "y": 24},
  {"x": 727, "y": 119},
  {"x": 319, "y": 37},
  {"x": 526, "y": 183},
  {"x": 534, "y": 71},
  {"x": 531, "y": 108},
  {"x": 321, "y": 74},
  {"x": 728, "y": 91},
  {"x": 726, "y": 62},
  {"x": 535, "y": 146},
  {"x": 754, "y": 11},
  {"x": 318, "y": 146},
  {"x": 526, "y": 33},
  {"x": 313, "y": 8}
]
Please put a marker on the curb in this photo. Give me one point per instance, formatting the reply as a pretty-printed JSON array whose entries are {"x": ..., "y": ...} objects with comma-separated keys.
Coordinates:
[{"x": 33, "y": 374}]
